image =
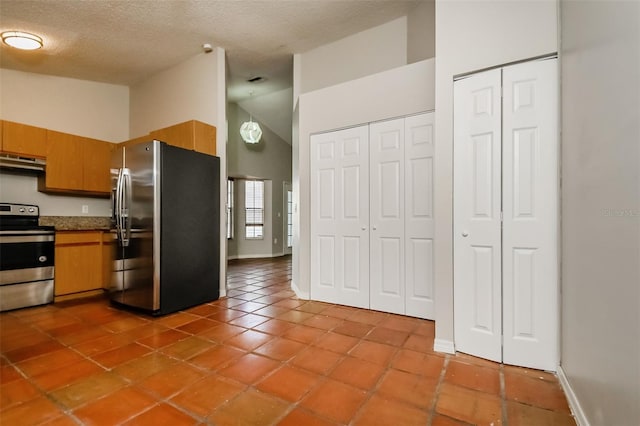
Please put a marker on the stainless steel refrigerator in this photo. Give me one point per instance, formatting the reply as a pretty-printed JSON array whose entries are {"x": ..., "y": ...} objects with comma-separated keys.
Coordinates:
[{"x": 166, "y": 227}]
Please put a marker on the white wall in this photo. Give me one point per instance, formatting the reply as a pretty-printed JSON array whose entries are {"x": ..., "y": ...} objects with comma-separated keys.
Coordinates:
[
  {"x": 405, "y": 90},
  {"x": 600, "y": 59},
  {"x": 187, "y": 91},
  {"x": 472, "y": 35},
  {"x": 85, "y": 108},
  {"x": 421, "y": 32},
  {"x": 192, "y": 90},
  {"x": 269, "y": 160},
  {"x": 80, "y": 107},
  {"x": 374, "y": 50}
]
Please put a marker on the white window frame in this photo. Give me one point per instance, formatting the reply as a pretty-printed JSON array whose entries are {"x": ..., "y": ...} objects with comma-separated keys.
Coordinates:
[
  {"x": 230, "y": 207},
  {"x": 254, "y": 210},
  {"x": 289, "y": 218}
]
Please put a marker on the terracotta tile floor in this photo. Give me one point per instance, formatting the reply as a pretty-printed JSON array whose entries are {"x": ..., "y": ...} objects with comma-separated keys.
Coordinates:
[{"x": 258, "y": 357}]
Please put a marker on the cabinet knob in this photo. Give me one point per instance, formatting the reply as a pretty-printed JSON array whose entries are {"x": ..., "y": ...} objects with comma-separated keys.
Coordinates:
[{"x": 465, "y": 234}]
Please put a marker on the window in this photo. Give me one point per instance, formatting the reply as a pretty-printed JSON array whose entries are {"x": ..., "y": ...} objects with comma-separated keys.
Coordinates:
[
  {"x": 254, "y": 208},
  {"x": 229, "y": 209},
  {"x": 289, "y": 218}
]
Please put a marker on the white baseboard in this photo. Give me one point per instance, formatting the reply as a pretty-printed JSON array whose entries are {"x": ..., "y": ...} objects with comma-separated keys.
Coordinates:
[
  {"x": 254, "y": 256},
  {"x": 574, "y": 403},
  {"x": 446, "y": 346},
  {"x": 301, "y": 294}
]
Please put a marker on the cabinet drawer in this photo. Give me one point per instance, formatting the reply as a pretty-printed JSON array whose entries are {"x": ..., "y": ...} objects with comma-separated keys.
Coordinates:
[{"x": 78, "y": 237}]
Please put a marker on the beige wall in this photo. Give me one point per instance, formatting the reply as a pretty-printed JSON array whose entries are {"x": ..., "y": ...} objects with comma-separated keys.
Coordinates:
[
  {"x": 269, "y": 160},
  {"x": 80, "y": 107},
  {"x": 421, "y": 32},
  {"x": 600, "y": 59},
  {"x": 472, "y": 35},
  {"x": 192, "y": 90},
  {"x": 374, "y": 50},
  {"x": 405, "y": 90},
  {"x": 187, "y": 91}
]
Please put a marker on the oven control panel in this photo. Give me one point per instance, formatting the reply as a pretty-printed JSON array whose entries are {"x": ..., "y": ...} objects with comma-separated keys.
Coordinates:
[{"x": 9, "y": 209}]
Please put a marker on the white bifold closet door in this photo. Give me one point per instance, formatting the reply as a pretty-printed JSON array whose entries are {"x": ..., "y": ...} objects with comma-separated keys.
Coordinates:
[
  {"x": 506, "y": 214},
  {"x": 401, "y": 215},
  {"x": 395, "y": 217},
  {"x": 340, "y": 217}
]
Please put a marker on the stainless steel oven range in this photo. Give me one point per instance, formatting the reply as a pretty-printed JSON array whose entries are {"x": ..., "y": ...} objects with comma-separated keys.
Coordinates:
[{"x": 26, "y": 257}]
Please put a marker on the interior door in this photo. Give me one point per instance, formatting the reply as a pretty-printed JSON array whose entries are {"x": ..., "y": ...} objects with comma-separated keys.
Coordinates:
[
  {"x": 530, "y": 208},
  {"x": 418, "y": 215},
  {"x": 339, "y": 217},
  {"x": 477, "y": 210},
  {"x": 387, "y": 216}
]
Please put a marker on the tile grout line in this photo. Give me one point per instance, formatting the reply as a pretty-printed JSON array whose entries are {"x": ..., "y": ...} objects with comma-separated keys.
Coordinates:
[
  {"x": 503, "y": 397},
  {"x": 436, "y": 394}
]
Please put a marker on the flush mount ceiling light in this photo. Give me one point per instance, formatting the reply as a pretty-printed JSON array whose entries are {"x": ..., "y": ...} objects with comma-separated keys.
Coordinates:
[
  {"x": 250, "y": 130},
  {"x": 21, "y": 40}
]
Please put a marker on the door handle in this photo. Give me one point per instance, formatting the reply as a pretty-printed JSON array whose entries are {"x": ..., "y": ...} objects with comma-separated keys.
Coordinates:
[{"x": 465, "y": 234}]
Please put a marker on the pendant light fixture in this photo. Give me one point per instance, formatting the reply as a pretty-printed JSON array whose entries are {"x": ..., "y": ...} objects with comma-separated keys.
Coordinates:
[
  {"x": 21, "y": 40},
  {"x": 250, "y": 130}
]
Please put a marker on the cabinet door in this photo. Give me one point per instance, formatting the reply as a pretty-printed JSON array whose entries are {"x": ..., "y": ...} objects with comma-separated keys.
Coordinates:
[
  {"x": 204, "y": 138},
  {"x": 180, "y": 135},
  {"x": 96, "y": 162},
  {"x": 22, "y": 139},
  {"x": 64, "y": 162},
  {"x": 78, "y": 264}
]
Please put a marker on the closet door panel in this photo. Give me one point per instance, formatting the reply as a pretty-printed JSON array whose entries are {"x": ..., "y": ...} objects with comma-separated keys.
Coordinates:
[
  {"x": 477, "y": 237},
  {"x": 387, "y": 216},
  {"x": 340, "y": 217},
  {"x": 530, "y": 206},
  {"x": 418, "y": 215}
]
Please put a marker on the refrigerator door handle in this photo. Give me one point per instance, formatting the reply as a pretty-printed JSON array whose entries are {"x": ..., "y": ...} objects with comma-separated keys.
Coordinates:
[
  {"x": 124, "y": 222},
  {"x": 118, "y": 207},
  {"x": 128, "y": 194}
]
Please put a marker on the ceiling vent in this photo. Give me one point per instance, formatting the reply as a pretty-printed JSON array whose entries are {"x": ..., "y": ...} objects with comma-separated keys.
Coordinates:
[{"x": 256, "y": 79}]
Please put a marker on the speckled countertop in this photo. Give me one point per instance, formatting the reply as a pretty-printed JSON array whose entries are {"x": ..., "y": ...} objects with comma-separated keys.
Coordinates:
[{"x": 77, "y": 223}]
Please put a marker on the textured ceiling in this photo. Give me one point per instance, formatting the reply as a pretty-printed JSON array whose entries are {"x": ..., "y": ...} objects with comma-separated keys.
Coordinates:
[{"x": 125, "y": 41}]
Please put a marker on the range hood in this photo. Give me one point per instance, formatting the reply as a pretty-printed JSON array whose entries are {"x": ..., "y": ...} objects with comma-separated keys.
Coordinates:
[{"x": 15, "y": 162}]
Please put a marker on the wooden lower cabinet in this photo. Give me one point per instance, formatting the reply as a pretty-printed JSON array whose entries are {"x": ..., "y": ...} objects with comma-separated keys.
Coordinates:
[
  {"x": 108, "y": 242},
  {"x": 78, "y": 264}
]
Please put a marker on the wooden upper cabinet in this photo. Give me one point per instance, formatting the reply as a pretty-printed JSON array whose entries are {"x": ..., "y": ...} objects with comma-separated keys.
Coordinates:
[
  {"x": 180, "y": 135},
  {"x": 24, "y": 140},
  {"x": 193, "y": 134},
  {"x": 204, "y": 138},
  {"x": 64, "y": 162},
  {"x": 76, "y": 164},
  {"x": 97, "y": 161}
]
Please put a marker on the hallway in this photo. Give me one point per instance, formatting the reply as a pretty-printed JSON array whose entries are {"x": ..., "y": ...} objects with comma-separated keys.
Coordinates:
[{"x": 259, "y": 356}]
